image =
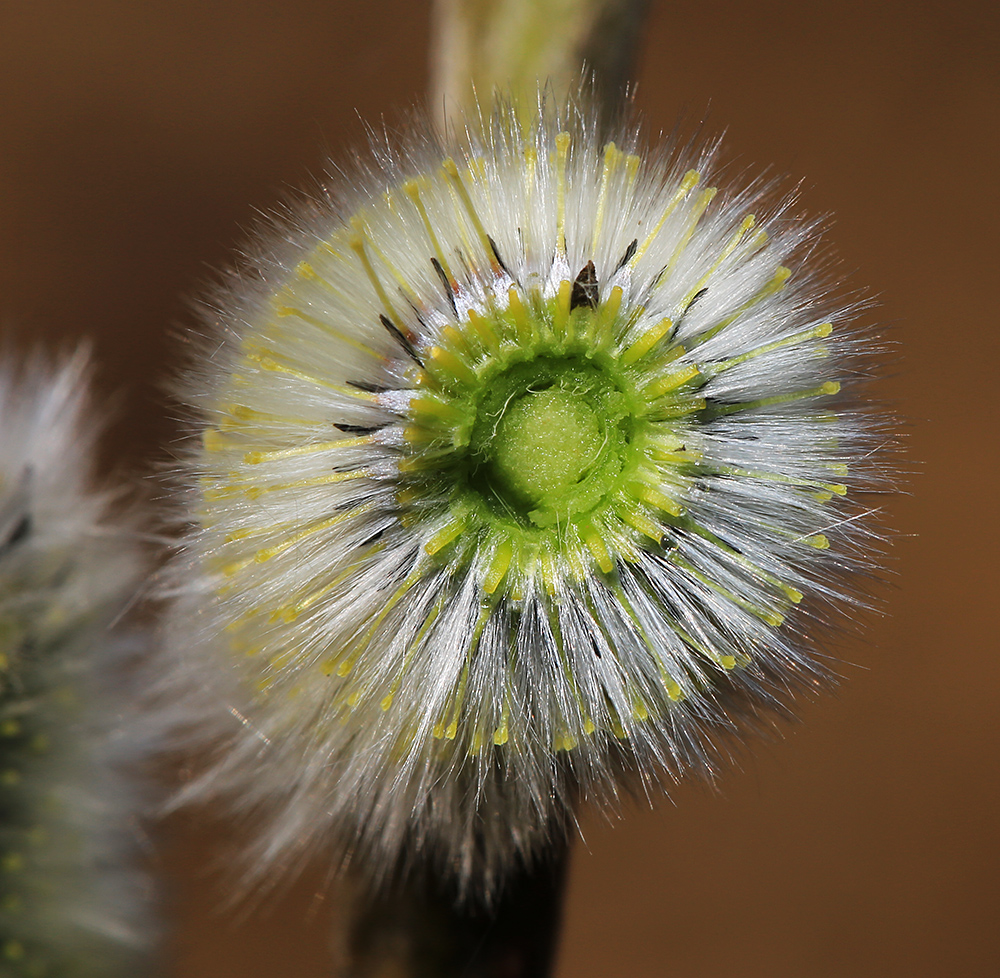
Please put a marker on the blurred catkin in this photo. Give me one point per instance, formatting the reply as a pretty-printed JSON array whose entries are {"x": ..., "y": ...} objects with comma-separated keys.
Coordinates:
[{"x": 479, "y": 46}]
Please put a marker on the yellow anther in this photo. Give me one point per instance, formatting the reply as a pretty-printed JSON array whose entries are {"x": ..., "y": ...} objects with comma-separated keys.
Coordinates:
[
  {"x": 647, "y": 341},
  {"x": 670, "y": 382},
  {"x": 658, "y": 499},
  {"x": 701, "y": 203},
  {"x": 639, "y": 521},
  {"x": 523, "y": 323},
  {"x": 598, "y": 550},
  {"x": 349, "y": 441},
  {"x": 447, "y": 534},
  {"x": 498, "y": 567},
  {"x": 562, "y": 152},
  {"x": 357, "y": 245},
  {"x": 213, "y": 441},
  {"x": 560, "y": 318},
  {"x": 611, "y": 306},
  {"x": 730, "y": 247},
  {"x": 450, "y": 363},
  {"x": 612, "y": 157},
  {"x": 689, "y": 180},
  {"x": 412, "y": 190},
  {"x": 434, "y": 408},
  {"x": 632, "y": 163},
  {"x": 459, "y": 185},
  {"x": 484, "y": 330}
]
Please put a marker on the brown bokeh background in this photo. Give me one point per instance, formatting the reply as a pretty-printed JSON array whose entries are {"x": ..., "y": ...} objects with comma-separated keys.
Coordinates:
[{"x": 136, "y": 138}]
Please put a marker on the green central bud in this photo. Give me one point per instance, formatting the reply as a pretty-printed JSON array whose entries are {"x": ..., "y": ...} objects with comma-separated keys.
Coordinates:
[
  {"x": 549, "y": 439},
  {"x": 546, "y": 443},
  {"x": 539, "y": 440}
]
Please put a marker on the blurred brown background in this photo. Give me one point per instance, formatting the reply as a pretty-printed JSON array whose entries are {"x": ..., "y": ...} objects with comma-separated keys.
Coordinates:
[{"x": 136, "y": 138}]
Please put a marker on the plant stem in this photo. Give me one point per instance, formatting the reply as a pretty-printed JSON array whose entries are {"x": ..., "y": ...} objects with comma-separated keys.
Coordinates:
[
  {"x": 515, "y": 45},
  {"x": 418, "y": 931}
]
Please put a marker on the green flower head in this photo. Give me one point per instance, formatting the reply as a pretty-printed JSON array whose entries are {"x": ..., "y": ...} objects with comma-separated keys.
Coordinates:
[{"x": 522, "y": 464}]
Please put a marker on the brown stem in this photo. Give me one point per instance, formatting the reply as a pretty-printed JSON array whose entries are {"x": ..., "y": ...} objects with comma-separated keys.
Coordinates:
[{"x": 418, "y": 931}]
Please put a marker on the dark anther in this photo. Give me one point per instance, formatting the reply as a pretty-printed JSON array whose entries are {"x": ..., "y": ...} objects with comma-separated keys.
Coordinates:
[
  {"x": 448, "y": 291},
  {"x": 398, "y": 336},
  {"x": 358, "y": 429},
  {"x": 687, "y": 308},
  {"x": 363, "y": 385},
  {"x": 21, "y": 529},
  {"x": 695, "y": 298},
  {"x": 417, "y": 316},
  {"x": 496, "y": 255},
  {"x": 586, "y": 291},
  {"x": 374, "y": 538},
  {"x": 627, "y": 257}
]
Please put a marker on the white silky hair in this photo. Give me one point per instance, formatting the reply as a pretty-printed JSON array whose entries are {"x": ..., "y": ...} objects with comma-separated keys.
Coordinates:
[
  {"x": 358, "y": 684},
  {"x": 77, "y": 904}
]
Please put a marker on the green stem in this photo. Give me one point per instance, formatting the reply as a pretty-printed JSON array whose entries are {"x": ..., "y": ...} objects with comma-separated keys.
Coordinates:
[{"x": 514, "y": 45}]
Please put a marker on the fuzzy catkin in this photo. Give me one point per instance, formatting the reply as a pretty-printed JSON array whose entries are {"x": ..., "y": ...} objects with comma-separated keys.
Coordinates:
[
  {"x": 523, "y": 474},
  {"x": 71, "y": 902}
]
